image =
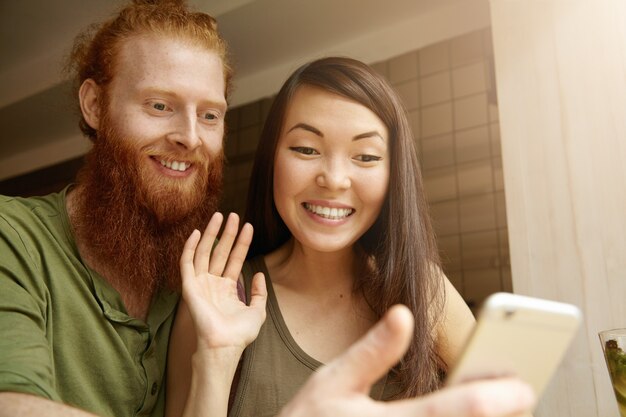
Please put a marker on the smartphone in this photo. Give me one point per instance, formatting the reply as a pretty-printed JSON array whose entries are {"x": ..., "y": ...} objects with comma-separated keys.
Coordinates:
[{"x": 517, "y": 335}]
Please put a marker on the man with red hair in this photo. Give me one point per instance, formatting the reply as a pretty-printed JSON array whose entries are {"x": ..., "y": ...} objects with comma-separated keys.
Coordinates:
[{"x": 89, "y": 276}]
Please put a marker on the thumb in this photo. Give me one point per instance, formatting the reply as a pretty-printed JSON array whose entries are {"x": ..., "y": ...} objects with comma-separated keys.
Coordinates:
[
  {"x": 374, "y": 354},
  {"x": 258, "y": 294}
]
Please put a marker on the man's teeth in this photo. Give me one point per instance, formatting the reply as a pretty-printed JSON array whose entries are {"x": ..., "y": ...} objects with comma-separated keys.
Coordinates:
[
  {"x": 328, "y": 212},
  {"x": 175, "y": 165}
]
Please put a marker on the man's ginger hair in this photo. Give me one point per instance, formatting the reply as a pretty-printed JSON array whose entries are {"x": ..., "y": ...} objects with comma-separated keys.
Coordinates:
[{"x": 95, "y": 51}]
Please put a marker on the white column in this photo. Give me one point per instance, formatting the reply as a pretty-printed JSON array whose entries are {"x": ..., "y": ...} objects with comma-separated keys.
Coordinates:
[{"x": 561, "y": 80}]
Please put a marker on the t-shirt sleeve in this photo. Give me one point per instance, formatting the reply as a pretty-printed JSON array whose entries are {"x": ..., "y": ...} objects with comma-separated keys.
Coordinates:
[{"x": 26, "y": 363}]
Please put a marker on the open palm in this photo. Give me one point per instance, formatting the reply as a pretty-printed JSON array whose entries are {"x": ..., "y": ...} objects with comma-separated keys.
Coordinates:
[{"x": 209, "y": 279}]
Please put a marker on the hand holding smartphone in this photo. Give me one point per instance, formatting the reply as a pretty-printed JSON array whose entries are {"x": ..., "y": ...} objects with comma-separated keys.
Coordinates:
[{"x": 520, "y": 336}]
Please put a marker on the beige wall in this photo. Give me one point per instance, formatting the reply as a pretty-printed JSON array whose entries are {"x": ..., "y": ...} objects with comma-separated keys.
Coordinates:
[
  {"x": 561, "y": 72},
  {"x": 450, "y": 97}
]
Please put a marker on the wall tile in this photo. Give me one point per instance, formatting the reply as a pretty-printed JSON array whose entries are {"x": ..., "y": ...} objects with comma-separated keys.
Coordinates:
[
  {"x": 450, "y": 252},
  {"x": 506, "y": 279},
  {"x": 487, "y": 42},
  {"x": 498, "y": 175},
  {"x": 493, "y": 111},
  {"x": 230, "y": 174},
  {"x": 250, "y": 114},
  {"x": 435, "y": 88},
  {"x": 475, "y": 178},
  {"x": 266, "y": 104},
  {"x": 228, "y": 198},
  {"x": 480, "y": 250},
  {"x": 477, "y": 213},
  {"x": 436, "y": 120},
  {"x": 403, "y": 68},
  {"x": 438, "y": 151},
  {"x": 381, "y": 68},
  {"x": 445, "y": 217},
  {"x": 469, "y": 79},
  {"x": 248, "y": 139},
  {"x": 480, "y": 283},
  {"x": 409, "y": 93},
  {"x": 472, "y": 144},
  {"x": 232, "y": 119},
  {"x": 505, "y": 254},
  {"x": 434, "y": 58},
  {"x": 500, "y": 209},
  {"x": 470, "y": 112},
  {"x": 414, "y": 121},
  {"x": 244, "y": 170},
  {"x": 494, "y": 133},
  {"x": 230, "y": 143},
  {"x": 440, "y": 184},
  {"x": 467, "y": 48},
  {"x": 492, "y": 93},
  {"x": 456, "y": 279}
]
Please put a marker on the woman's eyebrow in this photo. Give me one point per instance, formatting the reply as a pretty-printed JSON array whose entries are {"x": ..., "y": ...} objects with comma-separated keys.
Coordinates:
[
  {"x": 370, "y": 134},
  {"x": 308, "y": 128}
]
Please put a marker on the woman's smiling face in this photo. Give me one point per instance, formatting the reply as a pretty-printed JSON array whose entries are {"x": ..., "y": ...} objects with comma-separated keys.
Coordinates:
[{"x": 331, "y": 171}]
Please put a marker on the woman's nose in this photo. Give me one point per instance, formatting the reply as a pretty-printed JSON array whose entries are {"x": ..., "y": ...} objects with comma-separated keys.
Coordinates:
[{"x": 334, "y": 176}]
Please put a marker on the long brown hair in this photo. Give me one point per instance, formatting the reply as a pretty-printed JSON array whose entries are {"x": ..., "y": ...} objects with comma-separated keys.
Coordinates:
[
  {"x": 95, "y": 51},
  {"x": 400, "y": 245}
]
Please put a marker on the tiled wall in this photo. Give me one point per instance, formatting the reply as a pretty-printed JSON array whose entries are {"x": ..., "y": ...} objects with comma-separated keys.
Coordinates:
[{"x": 449, "y": 93}]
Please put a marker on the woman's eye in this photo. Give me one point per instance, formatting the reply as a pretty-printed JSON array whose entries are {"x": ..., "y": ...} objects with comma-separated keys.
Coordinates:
[
  {"x": 210, "y": 116},
  {"x": 368, "y": 158},
  {"x": 159, "y": 106},
  {"x": 305, "y": 150}
]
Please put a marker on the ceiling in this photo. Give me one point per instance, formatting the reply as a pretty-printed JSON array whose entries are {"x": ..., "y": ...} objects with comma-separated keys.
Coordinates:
[{"x": 268, "y": 39}]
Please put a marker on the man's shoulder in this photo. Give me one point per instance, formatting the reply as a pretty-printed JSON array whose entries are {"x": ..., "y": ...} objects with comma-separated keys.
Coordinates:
[
  {"x": 35, "y": 236},
  {"x": 14, "y": 208},
  {"x": 32, "y": 219}
]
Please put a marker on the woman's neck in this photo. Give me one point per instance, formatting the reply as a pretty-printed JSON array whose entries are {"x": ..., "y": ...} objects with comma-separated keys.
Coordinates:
[{"x": 307, "y": 270}]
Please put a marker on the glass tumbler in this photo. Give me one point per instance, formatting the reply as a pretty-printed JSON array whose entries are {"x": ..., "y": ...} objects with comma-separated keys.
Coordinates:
[{"x": 614, "y": 347}]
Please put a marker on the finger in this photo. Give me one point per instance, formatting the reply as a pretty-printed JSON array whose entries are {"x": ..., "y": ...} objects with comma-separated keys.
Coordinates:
[
  {"x": 238, "y": 254},
  {"x": 373, "y": 355},
  {"x": 203, "y": 253},
  {"x": 187, "y": 269},
  {"x": 258, "y": 293},
  {"x": 221, "y": 252},
  {"x": 487, "y": 398}
]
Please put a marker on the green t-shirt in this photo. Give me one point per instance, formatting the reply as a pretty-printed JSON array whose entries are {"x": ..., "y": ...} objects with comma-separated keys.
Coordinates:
[{"x": 64, "y": 332}]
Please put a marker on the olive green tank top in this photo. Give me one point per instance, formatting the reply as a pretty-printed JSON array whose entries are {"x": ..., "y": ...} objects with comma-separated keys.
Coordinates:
[{"x": 274, "y": 367}]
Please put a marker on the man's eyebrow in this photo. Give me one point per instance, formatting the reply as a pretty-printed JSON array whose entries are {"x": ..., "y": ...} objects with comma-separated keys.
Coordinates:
[
  {"x": 308, "y": 128},
  {"x": 173, "y": 95}
]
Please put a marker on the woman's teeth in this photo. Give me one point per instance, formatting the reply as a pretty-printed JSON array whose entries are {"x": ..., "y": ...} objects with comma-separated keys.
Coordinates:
[
  {"x": 333, "y": 213},
  {"x": 175, "y": 165}
]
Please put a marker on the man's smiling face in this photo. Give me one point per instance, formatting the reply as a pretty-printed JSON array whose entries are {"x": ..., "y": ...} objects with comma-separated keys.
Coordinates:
[{"x": 166, "y": 106}]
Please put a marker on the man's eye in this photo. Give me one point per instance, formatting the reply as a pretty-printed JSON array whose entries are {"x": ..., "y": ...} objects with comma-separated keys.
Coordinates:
[
  {"x": 305, "y": 150},
  {"x": 368, "y": 158},
  {"x": 210, "y": 116},
  {"x": 159, "y": 106}
]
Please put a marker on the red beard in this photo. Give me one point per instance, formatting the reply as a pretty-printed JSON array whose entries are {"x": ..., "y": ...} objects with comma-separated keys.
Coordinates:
[{"x": 135, "y": 221}]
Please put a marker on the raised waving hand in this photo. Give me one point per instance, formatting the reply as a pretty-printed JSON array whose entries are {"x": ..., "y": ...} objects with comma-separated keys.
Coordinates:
[
  {"x": 212, "y": 326},
  {"x": 209, "y": 277}
]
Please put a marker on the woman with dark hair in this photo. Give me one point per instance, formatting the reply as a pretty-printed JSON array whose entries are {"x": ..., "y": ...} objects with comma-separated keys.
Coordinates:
[{"x": 342, "y": 233}]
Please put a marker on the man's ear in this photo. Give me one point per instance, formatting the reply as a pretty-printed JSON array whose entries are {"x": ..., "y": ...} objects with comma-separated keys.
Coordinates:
[{"x": 89, "y": 97}]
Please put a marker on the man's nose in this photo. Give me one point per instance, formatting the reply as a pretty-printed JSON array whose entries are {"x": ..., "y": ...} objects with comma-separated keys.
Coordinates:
[{"x": 185, "y": 132}]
